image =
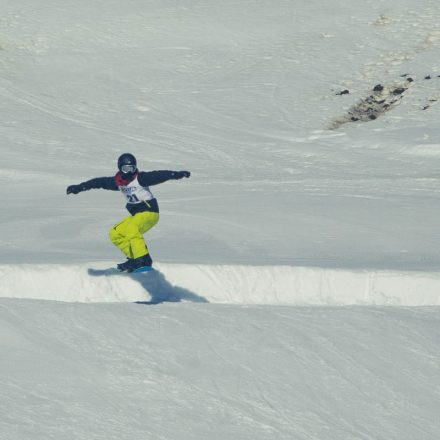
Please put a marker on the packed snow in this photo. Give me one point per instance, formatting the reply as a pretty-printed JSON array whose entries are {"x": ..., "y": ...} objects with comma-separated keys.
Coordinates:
[
  {"x": 221, "y": 284},
  {"x": 296, "y": 289},
  {"x": 127, "y": 371}
]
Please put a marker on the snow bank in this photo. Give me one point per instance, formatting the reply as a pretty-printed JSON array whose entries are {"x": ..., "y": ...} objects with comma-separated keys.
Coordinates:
[{"x": 222, "y": 284}]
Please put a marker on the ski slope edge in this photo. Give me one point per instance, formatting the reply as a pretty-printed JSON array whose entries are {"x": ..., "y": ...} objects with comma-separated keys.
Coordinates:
[{"x": 227, "y": 284}]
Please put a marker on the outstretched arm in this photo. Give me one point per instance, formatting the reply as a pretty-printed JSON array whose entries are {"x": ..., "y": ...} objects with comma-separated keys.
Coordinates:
[
  {"x": 155, "y": 177},
  {"x": 98, "y": 182}
]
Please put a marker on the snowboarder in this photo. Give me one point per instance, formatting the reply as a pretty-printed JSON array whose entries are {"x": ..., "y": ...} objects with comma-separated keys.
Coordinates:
[{"x": 127, "y": 235}]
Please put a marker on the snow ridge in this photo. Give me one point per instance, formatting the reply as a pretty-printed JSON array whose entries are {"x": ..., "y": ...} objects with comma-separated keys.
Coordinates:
[{"x": 227, "y": 284}]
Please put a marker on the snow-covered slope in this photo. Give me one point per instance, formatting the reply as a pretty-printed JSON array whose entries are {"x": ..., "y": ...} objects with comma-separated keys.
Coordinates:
[
  {"x": 132, "y": 372},
  {"x": 290, "y": 203},
  {"x": 240, "y": 93}
]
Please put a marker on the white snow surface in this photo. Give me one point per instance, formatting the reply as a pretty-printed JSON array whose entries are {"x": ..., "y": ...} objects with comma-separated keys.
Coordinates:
[
  {"x": 269, "y": 316},
  {"x": 241, "y": 94},
  {"x": 187, "y": 371},
  {"x": 223, "y": 284}
]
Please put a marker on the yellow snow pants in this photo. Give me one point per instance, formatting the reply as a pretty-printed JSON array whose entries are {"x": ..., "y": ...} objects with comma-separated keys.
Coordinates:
[{"x": 127, "y": 235}]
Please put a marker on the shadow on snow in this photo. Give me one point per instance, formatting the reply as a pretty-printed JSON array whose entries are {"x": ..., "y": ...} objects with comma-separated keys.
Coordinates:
[{"x": 156, "y": 285}]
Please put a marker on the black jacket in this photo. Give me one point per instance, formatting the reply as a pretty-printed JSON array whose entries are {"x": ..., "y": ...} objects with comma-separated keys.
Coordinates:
[{"x": 145, "y": 178}]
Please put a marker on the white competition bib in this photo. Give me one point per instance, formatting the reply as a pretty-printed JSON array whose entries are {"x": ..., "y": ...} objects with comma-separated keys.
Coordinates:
[{"x": 134, "y": 192}]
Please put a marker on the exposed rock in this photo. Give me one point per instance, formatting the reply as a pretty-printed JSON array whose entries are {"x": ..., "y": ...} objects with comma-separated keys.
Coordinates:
[
  {"x": 383, "y": 99},
  {"x": 398, "y": 90}
]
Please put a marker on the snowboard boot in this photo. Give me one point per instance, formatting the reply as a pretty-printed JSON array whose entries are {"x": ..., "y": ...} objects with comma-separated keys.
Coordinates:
[
  {"x": 125, "y": 266},
  {"x": 143, "y": 261}
]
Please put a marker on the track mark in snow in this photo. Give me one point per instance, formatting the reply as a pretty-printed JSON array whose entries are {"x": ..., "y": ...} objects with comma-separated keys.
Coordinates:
[{"x": 27, "y": 99}]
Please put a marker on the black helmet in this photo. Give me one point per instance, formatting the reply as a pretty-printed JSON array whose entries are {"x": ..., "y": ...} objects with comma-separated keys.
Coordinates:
[{"x": 127, "y": 164}]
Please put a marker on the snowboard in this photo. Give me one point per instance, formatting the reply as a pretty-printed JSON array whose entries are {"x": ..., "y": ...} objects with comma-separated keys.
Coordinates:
[
  {"x": 142, "y": 269},
  {"x": 116, "y": 271}
]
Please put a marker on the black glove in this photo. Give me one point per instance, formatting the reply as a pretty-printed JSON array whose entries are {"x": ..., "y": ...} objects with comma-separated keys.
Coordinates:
[
  {"x": 181, "y": 174},
  {"x": 73, "y": 189}
]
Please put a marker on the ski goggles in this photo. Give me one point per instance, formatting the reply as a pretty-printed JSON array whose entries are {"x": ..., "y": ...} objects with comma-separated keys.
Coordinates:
[{"x": 128, "y": 169}]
